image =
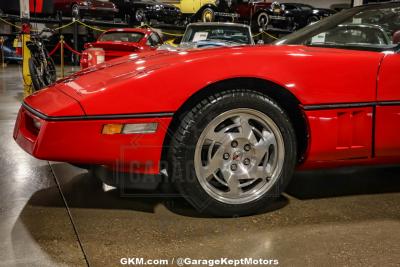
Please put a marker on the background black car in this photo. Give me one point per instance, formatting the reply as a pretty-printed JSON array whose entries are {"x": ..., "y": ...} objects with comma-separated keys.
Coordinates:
[
  {"x": 304, "y": 15},
  {"x": 144, "y": 11}
]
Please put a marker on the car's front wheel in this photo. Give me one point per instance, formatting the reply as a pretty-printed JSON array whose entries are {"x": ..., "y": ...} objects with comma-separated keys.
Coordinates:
[
  {"x": 262, "y": 20},
  {"x": 208, "y": 15},
  {"x": 233, "y": 153},
  {"x": 75, "y": 12},
  {"x": 140, "y": 15}
]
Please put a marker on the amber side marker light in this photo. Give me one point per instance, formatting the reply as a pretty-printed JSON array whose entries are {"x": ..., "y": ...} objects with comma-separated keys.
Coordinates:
[{"x": 135, "y": 128}]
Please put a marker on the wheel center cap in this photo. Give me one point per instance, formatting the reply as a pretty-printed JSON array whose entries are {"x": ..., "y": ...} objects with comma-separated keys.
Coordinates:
[{"x": 237, "y": 155}]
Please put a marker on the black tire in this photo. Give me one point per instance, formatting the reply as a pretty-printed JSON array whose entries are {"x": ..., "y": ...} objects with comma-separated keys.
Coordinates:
[
  {"x": 37, "y": 79},
  {"x": 75, "y": 11},
  {"x": 51, "y": 72},
  {"x": 139, "y": 15},
  {"x": 183, "y": 146},
  {"x": 313, "y": 19},
  {"x": 207, "y": 15},
  {"x": 261, "y": 20}
]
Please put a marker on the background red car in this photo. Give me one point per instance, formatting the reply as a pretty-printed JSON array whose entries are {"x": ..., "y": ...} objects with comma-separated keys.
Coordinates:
[
  {"x": 122, "y": 42},
  {"x": 94, "y": 8}
]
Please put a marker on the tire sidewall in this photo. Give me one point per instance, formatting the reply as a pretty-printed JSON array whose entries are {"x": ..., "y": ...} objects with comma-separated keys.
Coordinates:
[
  {"x": 76, "y": 14},
  {"x": 211, "y": 11},
  {"x": 185, "y": 174},
  {"x": 258, "y": 20}
]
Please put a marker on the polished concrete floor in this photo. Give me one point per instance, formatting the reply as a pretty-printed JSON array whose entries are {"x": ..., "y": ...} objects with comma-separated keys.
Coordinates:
[{"x": 53, "y": 214}]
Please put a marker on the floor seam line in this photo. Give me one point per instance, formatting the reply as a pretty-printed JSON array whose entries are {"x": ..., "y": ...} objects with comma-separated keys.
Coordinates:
[{"x": 69, "y": 215}]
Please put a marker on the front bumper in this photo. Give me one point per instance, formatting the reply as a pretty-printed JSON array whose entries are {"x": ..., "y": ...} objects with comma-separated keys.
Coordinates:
[{"x": 80, "y": 141}]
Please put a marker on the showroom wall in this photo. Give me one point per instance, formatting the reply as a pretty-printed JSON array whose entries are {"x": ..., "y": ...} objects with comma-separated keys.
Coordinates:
[{"x": 321, "y": 3}]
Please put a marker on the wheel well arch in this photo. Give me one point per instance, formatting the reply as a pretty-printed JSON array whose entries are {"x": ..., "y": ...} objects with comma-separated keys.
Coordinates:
[{"x": 283, "y": 97}]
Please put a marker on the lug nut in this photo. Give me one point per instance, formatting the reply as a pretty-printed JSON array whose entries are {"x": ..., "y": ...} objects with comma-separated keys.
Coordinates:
[
  {"x": 233, "y": 167},
  {"x": 234, "y": 144},
  {"x": 246, "y": 161},
  {"x": 226, "y": 156},
  {"x": 247, "y": 147}
]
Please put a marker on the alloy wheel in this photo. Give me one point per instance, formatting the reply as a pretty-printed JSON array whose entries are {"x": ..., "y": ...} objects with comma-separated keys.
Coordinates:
[
  {"x": 239, "y": 156},
  {"x": 140, "y": 16},
  {"x": 263, "y": 21}
]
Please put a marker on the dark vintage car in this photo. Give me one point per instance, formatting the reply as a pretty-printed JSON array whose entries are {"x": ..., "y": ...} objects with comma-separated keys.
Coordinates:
[
  {"x": 220, "y": 10},
  {"x": 264, "y": 15},
  {"x": 304, "y": 15},
  {"x": 93, "y": 8},
  {"x": 147, "y": 10}
]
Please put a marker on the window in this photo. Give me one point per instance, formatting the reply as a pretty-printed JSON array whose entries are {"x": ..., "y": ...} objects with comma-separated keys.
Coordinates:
[
  {"x": 228, "y": 34},
  {"x": 365, "y": 27}
]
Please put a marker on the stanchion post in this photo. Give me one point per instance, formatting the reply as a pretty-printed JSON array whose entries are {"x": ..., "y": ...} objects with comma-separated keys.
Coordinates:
[{"x": 62, "y": 55}]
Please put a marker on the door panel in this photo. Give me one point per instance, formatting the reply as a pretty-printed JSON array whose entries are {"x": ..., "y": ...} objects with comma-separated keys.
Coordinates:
[
  {"x": 387, "y": 131},
  {"x": 387, "y": 143}
]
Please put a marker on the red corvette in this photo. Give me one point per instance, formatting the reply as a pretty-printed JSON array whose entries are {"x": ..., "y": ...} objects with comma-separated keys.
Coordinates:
[
  {"x": 122, "y": 42},
  {"x": 230, "y": 125}
]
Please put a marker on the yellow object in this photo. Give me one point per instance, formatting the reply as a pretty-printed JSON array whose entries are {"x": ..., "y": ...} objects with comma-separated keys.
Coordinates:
[
  {"x": 189, "y": 6},
  {"x": 26, "y": 55},
  {"x": 171, "y": 42},
  {"x": 112, "y": 129}
]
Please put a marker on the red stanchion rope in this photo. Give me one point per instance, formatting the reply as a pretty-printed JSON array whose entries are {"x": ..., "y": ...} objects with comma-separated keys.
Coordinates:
[
  {"x": 72, "y": 50},
  {"x": 55, "y": 49}
]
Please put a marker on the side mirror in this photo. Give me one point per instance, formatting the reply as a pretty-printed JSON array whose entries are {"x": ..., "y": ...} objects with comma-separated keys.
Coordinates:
[{"x": 396, "y": 37}]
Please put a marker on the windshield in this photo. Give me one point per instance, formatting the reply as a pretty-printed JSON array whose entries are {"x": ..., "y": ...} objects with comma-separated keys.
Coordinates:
[
  {"x": 366, "y": 27},
  {"x": 224, "y": 33},
  {"x": 133, "y": 37}
]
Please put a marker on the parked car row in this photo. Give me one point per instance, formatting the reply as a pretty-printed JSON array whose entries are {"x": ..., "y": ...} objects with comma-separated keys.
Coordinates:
[{"x": 262, "y": 14}]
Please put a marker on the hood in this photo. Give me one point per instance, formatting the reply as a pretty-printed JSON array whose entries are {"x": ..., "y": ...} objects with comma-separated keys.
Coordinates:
[
  {"x": 161, "y": 81},
  {"x": 115, "y": 71}
]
